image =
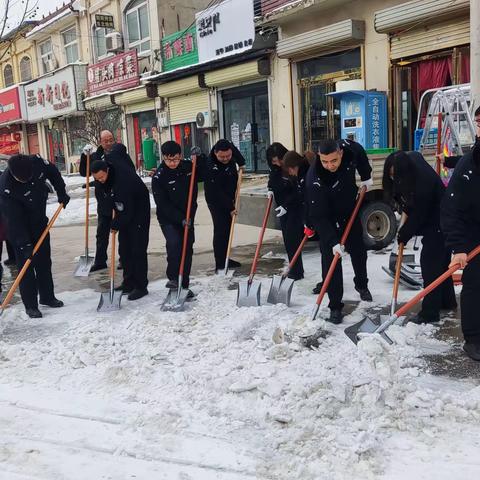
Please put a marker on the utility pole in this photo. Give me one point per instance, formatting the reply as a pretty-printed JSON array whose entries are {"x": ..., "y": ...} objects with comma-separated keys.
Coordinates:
[{"x": 475, "y": 51}]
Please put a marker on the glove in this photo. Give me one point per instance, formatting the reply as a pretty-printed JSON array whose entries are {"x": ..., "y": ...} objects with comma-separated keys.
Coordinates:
[
  {"x": 26, "y": 251},
  {"x": 281, "y": 212},
  {"x": 340, "y": 249},
  {"x": 402, "y": 236},
  {"x": 196, "y": 151},
  {"x": 88, "y": 149},
  {"x": 189, "y": 223},
  {"x": 308, "y": 231},
  {"x": 64, "y": 199},
  {"x": 367, "y": 183},
  {"x": 269, "y": 194}
]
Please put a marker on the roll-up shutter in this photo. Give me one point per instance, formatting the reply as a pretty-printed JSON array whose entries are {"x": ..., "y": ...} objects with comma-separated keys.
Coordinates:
[
  {"x": 429, "y": 39},
  {"x": 236, "y": 74},
  {"x": 184, "y": 108},
  {"x": 179, "y": 87},
  {"x": 144, "y": 106},
  {"x": 135, "y": 95},
  {"x": 100, "y": 102},
  {"x": 419, "y": 12},
  {"x": 322, "y": 40}
]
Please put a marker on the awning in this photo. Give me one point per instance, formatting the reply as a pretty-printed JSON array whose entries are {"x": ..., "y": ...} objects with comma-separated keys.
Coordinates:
[
  {"x": 99, "y": 102},
  {"x": 178, "y": 87},
  {"x": 235, "y": 74}
]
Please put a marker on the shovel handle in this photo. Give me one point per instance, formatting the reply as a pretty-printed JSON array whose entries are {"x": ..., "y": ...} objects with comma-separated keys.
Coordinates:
[
  {"x": 234, "y": 219},
  {"x": 260, "y": 239},
  {"x": 398, "y": 267},
  {"x": 27, "y": 263},
  {"x": 87, "y": 202},
  {"x": 293, "y": 261}
]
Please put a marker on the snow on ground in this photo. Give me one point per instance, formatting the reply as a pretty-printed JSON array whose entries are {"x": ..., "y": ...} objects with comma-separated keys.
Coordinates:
[{"x": 207, "y": 394}]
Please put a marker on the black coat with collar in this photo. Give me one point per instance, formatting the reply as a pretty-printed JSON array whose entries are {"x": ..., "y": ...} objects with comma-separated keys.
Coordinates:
[
  {"x": 460, "y": 213},
  {"x": 24, "y": 204}
]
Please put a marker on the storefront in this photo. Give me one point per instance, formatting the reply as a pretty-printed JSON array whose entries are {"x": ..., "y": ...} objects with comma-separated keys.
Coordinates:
[
  {"x": 12, "y": 121},
  {"x": 52, "y": 102}
]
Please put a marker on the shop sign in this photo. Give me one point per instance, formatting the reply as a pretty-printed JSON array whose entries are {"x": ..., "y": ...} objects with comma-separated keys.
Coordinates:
[
  {"x": 225, "y": 29},
  {"x": 11, "y": 105},
  {"x": 179, "y": 49},
  {"x": 114, "y": 73},
  {"x": 55, "y": 95},
  {"x": 104, "y": 21},
  {"x": 10, "y": 139}
]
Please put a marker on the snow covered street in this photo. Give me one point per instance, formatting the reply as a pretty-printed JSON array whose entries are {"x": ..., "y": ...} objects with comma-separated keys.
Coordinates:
[{"x": 208, "y": 394}]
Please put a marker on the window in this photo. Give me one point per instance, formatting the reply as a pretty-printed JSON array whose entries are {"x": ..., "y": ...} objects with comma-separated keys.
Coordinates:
[
  {"x": 25, "y": 69},
  {"x": 138, "y": 30},
  {"x": 8, "y": 75},
  {"x": 69, "y": 38},
  {"x": 46, "y": 54},
  {"x": 99, "y": 41}
]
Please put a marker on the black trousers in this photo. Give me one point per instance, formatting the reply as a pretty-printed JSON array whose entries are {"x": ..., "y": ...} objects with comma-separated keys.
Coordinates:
[
  {"x": 132, "y": 248},
  {"x": 174, "y": 238},
  {"x": 469, "y": 301},
  {"x": 103, "y": 237},
  {"x": 222, "y": 221},
  {"x": 292, "y": 231},
  {"x": 38, "y": 277},
  {"x": 358, "y": 254},
  {"x": 434, "y": 260}
]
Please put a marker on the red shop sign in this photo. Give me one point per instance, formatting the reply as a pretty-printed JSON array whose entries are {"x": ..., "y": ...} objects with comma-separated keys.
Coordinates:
[
  {"x": 10, "y": 106},
  {"x": 114, "y": 73}
]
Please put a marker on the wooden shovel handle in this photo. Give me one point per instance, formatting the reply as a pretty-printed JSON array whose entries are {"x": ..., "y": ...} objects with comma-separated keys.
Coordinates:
[
  {"x": 87, "y": 200},
  {"x": 398, "y": 266},
  {"x": 234, "y": 216}
]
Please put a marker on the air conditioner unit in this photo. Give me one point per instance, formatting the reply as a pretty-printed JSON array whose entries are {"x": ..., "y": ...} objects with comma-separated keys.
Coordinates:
[
  {"x": 51, "y": 62},
  {"x": 163, "y": 120},
  {"x": 114, "y": 42},
  {"x": 207, "y": 119}
]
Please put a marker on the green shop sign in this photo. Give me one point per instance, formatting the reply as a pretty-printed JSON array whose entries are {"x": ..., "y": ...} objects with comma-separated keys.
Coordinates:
[{"x": 179, "y": 49}]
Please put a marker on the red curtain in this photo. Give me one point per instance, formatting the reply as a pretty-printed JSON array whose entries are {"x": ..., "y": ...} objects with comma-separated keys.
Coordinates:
[
  {"x": 434, "y": 73},
  {"x": 465, "y": 67}
]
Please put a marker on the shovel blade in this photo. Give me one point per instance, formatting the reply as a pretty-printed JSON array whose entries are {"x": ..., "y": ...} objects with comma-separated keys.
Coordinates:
[
  {"x": 248, "y": 294},
  {"x": 175, "y": 300},
  {"x": 84, "y": 265},
  {"x": 367, "y": 325},
  {"x": 109, "y": 303},
  {"x": 280, "y": 290}
]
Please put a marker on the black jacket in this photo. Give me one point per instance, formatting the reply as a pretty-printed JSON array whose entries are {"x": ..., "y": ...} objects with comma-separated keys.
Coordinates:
[
  {"x": 117, "y": 156},
  {"x": 24, "y": 204},
  {"x": 423, "y": 206},
  {"x": 129, "y": 197},
  {"x": 460, "y": 218},
  {"x": 221, "y": 180},
  {"x": 170, "y": 190},
  {"x": 331, "y": 196}
]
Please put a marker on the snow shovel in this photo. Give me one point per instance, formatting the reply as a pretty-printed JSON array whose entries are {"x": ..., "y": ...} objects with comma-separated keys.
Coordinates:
[
  {"x": 232, "y": 225},
  {"x": 333, "y": 265},
  {"x": 85, "y": 262},
  {"x": 176, "y": 297},
  {"x": 281, "y": 287},
  {"x": 249, "y": 291},
  {"x": 27, "y": 263},
  {"x": 370, "y": 326},
  {"x": 110, "y": 301}
]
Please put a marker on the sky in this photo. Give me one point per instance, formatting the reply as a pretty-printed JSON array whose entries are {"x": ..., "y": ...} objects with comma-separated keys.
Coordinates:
[{"x": 17, "y": 7}]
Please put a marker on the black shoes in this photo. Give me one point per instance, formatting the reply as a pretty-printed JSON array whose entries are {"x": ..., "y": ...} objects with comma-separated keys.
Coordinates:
[
  {"x": 317, "y": 288},
  {"x": 97, "y": 267},
  {"x": 365, "y": 294},
  {"x": 33, "y": 312},
  {"x": 9, "y": 262},
  {"x": 336, "y": 317},
  {"x": 295, "y": 276},
  {"x": 190, "y": 295},
  {"x": 171, "y": 284},
  {"x": 419, "y": 319},
  {"x": 53, "y": 303},
  {"x": 233, "y": 264},
  {"x": 472, "y": 350},
  {"x": 137, "y": 293},
  {"x": 122, "y": 288}
]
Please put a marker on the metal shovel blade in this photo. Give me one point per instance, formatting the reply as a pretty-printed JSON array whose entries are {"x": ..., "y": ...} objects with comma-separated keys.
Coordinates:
[
  {"x": 175, "y": 301},
  {"x": 249, "y": 294},
  {"x": 84, "y": 265},
  {"x": 280, "y": 290},
  {"x": 367, "y": 325},
  {"x": 109, "y": 302}
]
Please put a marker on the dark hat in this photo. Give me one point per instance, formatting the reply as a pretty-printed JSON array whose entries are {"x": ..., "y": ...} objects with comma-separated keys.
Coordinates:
[{"x": 21, "y": 167}]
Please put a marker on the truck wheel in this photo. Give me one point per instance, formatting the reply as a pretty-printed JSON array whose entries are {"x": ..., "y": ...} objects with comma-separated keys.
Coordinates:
[{"x": 379, "y": 225}]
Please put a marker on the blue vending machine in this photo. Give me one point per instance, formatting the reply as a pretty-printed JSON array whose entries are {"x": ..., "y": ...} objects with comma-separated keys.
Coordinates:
[{"x": 363, "y": 116}]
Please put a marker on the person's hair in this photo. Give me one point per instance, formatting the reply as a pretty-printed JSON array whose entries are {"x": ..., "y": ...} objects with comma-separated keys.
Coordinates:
[
  {"x": 222, "y": 146},
  {"x": 328, "y": 146},
  {"x": 99, "y": 165},
  {"x": 276, "y": 149},
  {"x": 477, "y": 111},
  {"x": 293, "y": 159},
  {"x": 403, "y": 183},
  {"x": 21, "y": 167},
  {"x": 171, "y": 148}
]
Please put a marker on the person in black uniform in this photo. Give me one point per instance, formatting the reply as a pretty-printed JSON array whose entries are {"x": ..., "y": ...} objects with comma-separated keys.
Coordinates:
[
  {"x": 24, "y": 202},
  {"x": 460, "y": 222},
  {"x": 220, "y": 187},
  {"x": 115, "y": 154},
  {"x": 170, "y": 187},
  {"x": 288, "y": 186},
  {"x": 332, "y": 192},
  {"x": 417, "y": 189},
  {"x": 131, "y": 201}
]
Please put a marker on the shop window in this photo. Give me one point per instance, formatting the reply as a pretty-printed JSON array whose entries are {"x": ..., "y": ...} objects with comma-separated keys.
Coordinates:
[
  {"x": 8, "y": 76},
  {"x": 70, "y": 44},
  {"x": 138, "y": 29},
  {"x": 25, "y": 69},
  {"x": 338, "y": 62},
  {"x": 100, "y": 42},
  {"x": 46, "y": 56},
  {"x": 188, "y": 135}
]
